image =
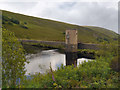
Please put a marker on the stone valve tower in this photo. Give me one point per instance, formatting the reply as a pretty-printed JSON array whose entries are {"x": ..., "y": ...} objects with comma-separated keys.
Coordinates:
[{"x": 71, "y": 47}]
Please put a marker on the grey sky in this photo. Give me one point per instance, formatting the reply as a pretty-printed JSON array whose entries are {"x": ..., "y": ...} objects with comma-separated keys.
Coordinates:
[{"x": 80, "y": 12}]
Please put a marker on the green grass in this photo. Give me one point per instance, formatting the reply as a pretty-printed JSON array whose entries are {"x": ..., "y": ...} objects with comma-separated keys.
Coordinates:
[{"x": 45, "y": 29}]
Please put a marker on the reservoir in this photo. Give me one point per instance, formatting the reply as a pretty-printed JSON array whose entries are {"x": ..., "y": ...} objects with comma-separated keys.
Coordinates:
[{"x": 40, "y": 62}]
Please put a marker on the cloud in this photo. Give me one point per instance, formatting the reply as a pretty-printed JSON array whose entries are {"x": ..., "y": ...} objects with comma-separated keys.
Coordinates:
[
  {"x": 103, "y": 14},
  {"x": 19, "y": 7},
  {"x": 59, "y": 0}
]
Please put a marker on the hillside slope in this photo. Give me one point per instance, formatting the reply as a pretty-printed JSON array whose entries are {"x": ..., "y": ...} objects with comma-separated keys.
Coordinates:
[{"x": 28, "y": 27}]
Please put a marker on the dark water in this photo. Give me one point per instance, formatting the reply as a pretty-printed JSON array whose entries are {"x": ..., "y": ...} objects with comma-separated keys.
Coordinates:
[{"x": 40, "y": 62}]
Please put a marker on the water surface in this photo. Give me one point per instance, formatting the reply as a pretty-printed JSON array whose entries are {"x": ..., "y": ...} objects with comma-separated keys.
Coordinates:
[{"x": 40, "y": 62}]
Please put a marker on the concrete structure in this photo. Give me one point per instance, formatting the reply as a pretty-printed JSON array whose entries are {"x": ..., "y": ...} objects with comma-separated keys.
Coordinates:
[{"x": 71, "y": 47}]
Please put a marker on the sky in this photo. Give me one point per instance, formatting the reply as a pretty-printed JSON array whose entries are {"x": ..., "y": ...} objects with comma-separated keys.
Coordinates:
[{"x": 101, "y": 13}]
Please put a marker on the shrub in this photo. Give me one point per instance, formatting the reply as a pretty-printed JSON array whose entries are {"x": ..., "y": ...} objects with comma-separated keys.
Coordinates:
[
  {"x": 25, "y": 27},
  {"x": 100, "y": 39},
  {"x": 115, "y": 64},
  {"x": 10, "y": 23},
  {"x": 25, "y": 22},
  {"x": 106, "y": 39},
  {"x": 13, "y": 59},
  {"x": 3, "y": 22},
  {"x": 5, "y": 18},
  {"x": 14, "y": 21}
]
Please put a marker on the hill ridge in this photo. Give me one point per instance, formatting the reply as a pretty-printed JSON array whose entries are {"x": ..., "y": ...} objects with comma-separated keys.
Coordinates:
[{"x": 30, "y": 27}]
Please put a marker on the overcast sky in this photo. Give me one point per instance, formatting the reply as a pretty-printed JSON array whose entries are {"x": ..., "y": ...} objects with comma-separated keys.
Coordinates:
[{"x": 102, "y": 13}]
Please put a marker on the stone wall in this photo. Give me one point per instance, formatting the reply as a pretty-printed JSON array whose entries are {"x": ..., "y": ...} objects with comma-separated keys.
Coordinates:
[
  {"x": 80, "y": 45},
  {"x": 88, "y": 46}
]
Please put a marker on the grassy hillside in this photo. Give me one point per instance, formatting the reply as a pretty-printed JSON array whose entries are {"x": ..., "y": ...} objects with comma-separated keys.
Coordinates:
[
  {"x": 103, "y": 30},
  {"x": 28, "y": 27}
]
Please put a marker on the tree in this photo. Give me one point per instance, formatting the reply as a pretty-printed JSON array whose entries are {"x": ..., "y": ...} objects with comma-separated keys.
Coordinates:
[{"x": 13, "y": 59}]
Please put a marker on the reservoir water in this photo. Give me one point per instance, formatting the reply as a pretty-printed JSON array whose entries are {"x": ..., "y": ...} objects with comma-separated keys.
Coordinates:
[{"x": 40, "y": 62}]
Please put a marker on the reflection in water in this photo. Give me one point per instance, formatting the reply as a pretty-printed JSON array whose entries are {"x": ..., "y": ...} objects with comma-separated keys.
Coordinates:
[
  {"x": 40, "y": 62},
  {"x": 71, "y": 58}
]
